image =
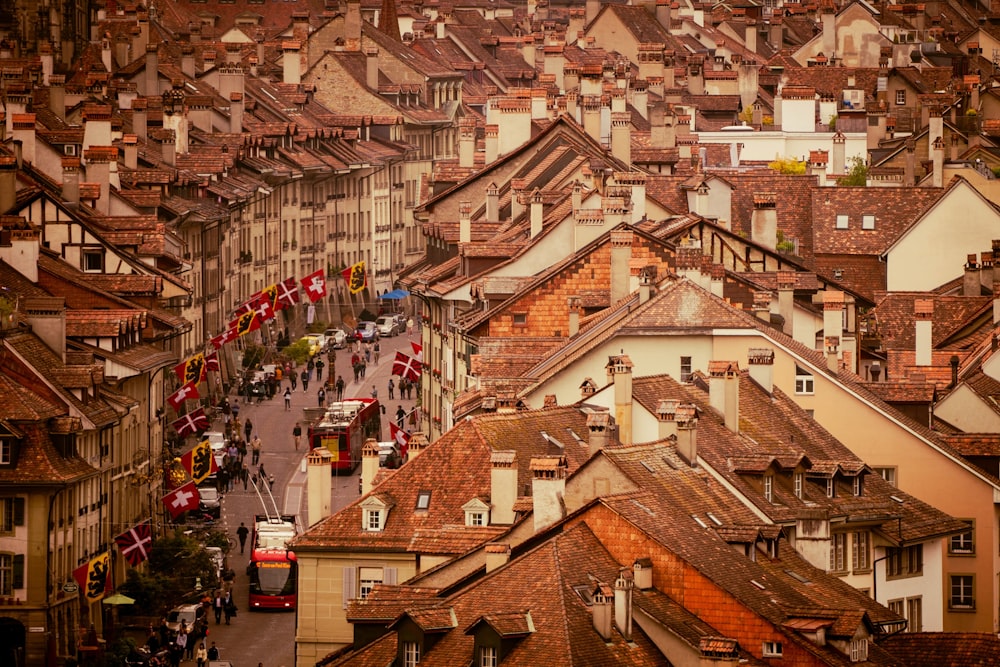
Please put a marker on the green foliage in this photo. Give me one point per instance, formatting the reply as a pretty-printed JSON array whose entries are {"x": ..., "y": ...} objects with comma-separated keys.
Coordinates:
[
  {"x": 784, "y": 245},
  {"x": 299, "y": 351},
  {"x": 218, "y": 538},
  {"x": 788, "y": 165},
  {"x": 747, "y": 114},
  {"x": 996, "y": 171},
  {"x": 833, "y": 123},
  {"x": 176, "y": 563},
  {"x": 253, "y": 355},
  {"x": 857, "y": 175}
]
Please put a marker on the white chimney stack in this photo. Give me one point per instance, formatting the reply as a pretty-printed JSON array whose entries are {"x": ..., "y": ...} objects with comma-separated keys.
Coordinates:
[{"x": 319, "y": 486}]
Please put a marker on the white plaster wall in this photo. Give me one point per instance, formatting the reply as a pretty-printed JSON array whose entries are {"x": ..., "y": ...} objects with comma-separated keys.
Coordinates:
[{"x": 765, "y": 146}]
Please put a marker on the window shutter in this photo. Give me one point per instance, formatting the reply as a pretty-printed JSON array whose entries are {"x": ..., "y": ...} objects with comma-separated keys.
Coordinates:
[
  {"x": 18, "y": 511},
  {"x": 389, "y": 575},
  {"x": 18, "y": 571},
  {"x": 350, "y": 585}
]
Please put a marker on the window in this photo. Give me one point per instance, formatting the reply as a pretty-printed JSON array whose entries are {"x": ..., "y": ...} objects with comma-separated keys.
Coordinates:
[
  {"x": 11, "y": 514},
  {"x": 962, "y": 592},
  {"x": 6, "y": 574},
  {"x": 831, "y": 488},
  {"x": 411, "y": 654},
  {"x": 900, "y": 97},
  {"x": 685, "y": 369},
  {"x": 798, "y": 478},
  {"x": 804, "y": 382},
  {"x": 487, "y": 656},
  {"x": 841, "y": 221},
  {"x": 92, "y": 260},
  {"x": 897, "y": 607},
  {"x": 905, "y": 561},
  {"x": 476, "y": 519},
  {"x": 367, "y": 578},
  {"x": 859, "y": 551},
  {"x": 962, "y": 544},
  {"x": 373, "y": 519},
  {"x": 6, "y": 451},
  {"x": 915, "y": 614},
  {"x": 772, "y": 649},
  {"x": 423, "y": 500},
  {"x": 859, "y": 650},
  {"x": 769, "y": 488},
  {"x": 868, "y": 222},
  {"x": 838, "y": 548},
  {"x": 69, "y": 149},
  {"x": 520, "y": 319},
  {"x": 856, "y": 485},
  {"x": 888, "y": 474}
]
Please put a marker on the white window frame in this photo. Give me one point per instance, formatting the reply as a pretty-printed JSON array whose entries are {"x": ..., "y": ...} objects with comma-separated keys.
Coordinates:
[
  {"x": 831, "y": 487},
  {"x": 962, "y": 591},
  {"x": 475, "y": 519},
  {"x": 91, "y": 251},
  {"x": 860, "y": 553},
  {"x": 769, "y": 488},
  {"x": 900, "y": 97},
  {"x": 373, "y": 520},
  {"x": 867, "y": 221},
  {"x": 799, "y": 481},
  {"x": 411, "y": 654},
  {"x": 859, "y": 650},
  {"x": 805, "y": 383},
  {"x": 771, "y": 650},
  {"x": 488, "y": 656},
  {"x": 367, "y": 578},
  {"x": 856, "y": 485},
  {"x": 838, "y": 552},
  {"x": 888, "y": 474},
  {"x": 6, "y": 573},
  {"x": 963, "y": 544},
  {"x": 843, "y": 221},
  {"x": 686, "y": 369}
]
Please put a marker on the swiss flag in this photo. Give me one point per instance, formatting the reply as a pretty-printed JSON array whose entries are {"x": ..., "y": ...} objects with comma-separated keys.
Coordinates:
[
  {"x": 182, "y": 499},
  {"x": 407, "y": 367},
  {"x": 263, "y": 307},
  {"x": 418, "y": 351},
  {"x": 190, "y": 423},
  {"x": 315, "y": 285},
  {"x": 212, "y": 362},
  {"x": 224, "y": 337},
  {"x": 288, "y": 293},
  {"x": 186, "y": 392},
  {"x": 401, "y": 437}
]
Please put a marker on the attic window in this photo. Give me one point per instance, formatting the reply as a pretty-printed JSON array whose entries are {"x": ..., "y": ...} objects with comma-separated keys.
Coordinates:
[
  {"x": 373, "y": 519},
  {"x": 868, "y": 222},
  {"x": 804, "y": 381},
  {"x": 831, "y": 488},
  {"x": 799, "y": 479},
  {"x": 92, "y": 260},
  {"x": 69, "y": 149},
  {"x": 714, "y": 519},
  {"x": 769, "y": 488},
  {"x": 520, "y": 319},
  {"x": 423, "y": 500},
  {"x": 759, "y": 585},
  {"x": 842, "y": 221},
  {"x": 772, "y": 649},
  {"x": 6, "y": 451}
]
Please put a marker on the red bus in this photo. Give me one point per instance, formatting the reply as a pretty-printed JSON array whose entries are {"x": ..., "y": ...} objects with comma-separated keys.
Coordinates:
[
  {"x": 273, "y": 568},
  {"x": 344, "y": 428}
]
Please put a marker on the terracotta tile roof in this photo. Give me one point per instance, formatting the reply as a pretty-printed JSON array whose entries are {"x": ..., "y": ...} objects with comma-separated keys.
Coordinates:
[
  {"x": 943, "y": 649},
  {"x": 38, "y": 461}
]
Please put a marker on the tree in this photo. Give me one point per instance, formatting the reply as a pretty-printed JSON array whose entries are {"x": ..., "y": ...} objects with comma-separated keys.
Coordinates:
[
  {"x": 177, "y": 564},
  {"x": 857, "y": 175},
  {"x": 788, "y": 165}
]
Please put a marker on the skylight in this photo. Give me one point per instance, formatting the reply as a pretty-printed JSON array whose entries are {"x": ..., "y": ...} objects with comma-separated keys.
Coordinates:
[
  {"x": 714, "y": 519},
  {"x": 758, "y": 584},
  {"x": 699, "y": 521},
  {"x": 423, "y": 500}
]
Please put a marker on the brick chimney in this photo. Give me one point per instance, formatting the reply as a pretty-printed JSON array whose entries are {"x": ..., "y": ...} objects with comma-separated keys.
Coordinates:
[
  {"x": 764, "y": 220},
  {"x": 817, "y": 165},
  {"x": 666, "y": 413},
  {"x": 71, "y": 180},
  {"x": 352, "y": 26},
  {"x": 23, "y": 125},
  {"x": 923, "y": 316},
  {"x": 151, "y": 78},
  {"x": 57, "y": 95},
  {"x": 621, "y": 257},
  {"x": 761, "y": 361},
  {"x": 786, "y": 300},
  {"x": 599, "y": 427},
  {"x": 497, "y": 555},
  {"x": 832, "y": 348},
  {"x": 776, "y": 32},
  {"x": 602, "y": 610},
  {"x": 623, "y": 603},
  {"x": 537, "y": 213},
  {"x": 492, "y": 203},
  {"x": 503, "y": 486},
  {"x": 724, "y": 392},
  {"x": 319, "y": 486},
  {"x": 619, "y": 368},
  {"x": 369, "y": 465},
  {"x": 548, "y": 488},
  {"x": 687, "y": 434},
  {"x": 131, "y": 150},
  {"x": 621, "y": 141},
  {"x": 139, "y": 116},
  {"x": 464, "y": 222},
  {"x": 290, "y": 62},
  {"x": 418, "y": 443}
]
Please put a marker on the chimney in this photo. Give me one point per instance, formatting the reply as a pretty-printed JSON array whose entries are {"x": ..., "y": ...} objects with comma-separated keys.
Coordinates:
[
  {"x": 817, "y": 165},
  {"x": 577, "y": 196},
  {"x": 529, "y": 52},
  {"x": 537, "y": 213},
  {"x": 621, "y": 141},
  {"x": 645, "y": 284},
  {"x": 761, "y": 367},
  {"x": 47, "y": 317},
  {"x": 935, "y": 131},
  {"x": 666, "y": 413},
  {"x": 548, "y": 487},
  {"x": 319, "y": 486},
  {"x": 574, "y": 315},
  {"x": 369, "y": 465},
  {"x": 663, "y": 13},
  {"x": 668, "y": 82},
  {"x": 762, "y": 305},
  {"x": 619, "y": 369},
  {"x": 786, "y": 300},
  {"x": 970, "y": 283},
  {"x": 696, "y": 75},
  {"x": 687, "y": 434},
  {"x": 517, "y": 196},
  {"x": 602, "y": 610},
  {"x": 775, "y": 32},
  {"x": 352, "y": 26},
  {"x": 464, "y": 222},
  {"x": 492, "y": 203},
  {"x": 96, "y": 125},
  {"x": 539, "y": 104},
  {"x": 47, "y": 60},
  {"x": 168, "y": 149},
  {"x": 23, "y": 125},
  {"x": 996, "y": 305},
  {"x": 291, "y": 64},
  {"x": 467, "y": 143},
  {"x": 492, "y": 144},
  {"x": 71, "y": 180},
  {"x": 106, "y": 56},
  {"x": 937, "y": 177},
  {"x": 661, "y": 125},
  {"x": 623, "y": 603},
  {"x": 832, "y": 352},
  {"x": 152, "y": 73},
  {"x": 418, "y": 443},
  {"x": 923, "y": 315},
  {"x": 724, "y": 392},
  {"x": 591, "y": 105},
  {"x": 829, "y": 41},
  {"x": 131, "y": 148},
  {"x": 717, "y": 286},
  {"x": 910, "y": 164},
  {"x": 640, "y": 97},
  {"x": 747, "y": 80},
  {"x": 236, "y": 112},
  {"x": 139, "y": 116},
  {"x": 764, "y": 220},
  {"x": 621, "y": 257},
  {"x": 187, "y": 61},
  {"x": 593, "y": 7},
  {"x": 98, "y": 160},
  {"x": 57, "y": 95},
  {"x": 599, "y": 428},
  {"x": 833, "y": 318},
  {"x": 497, "y": 555},
  {"x": 750, "y": 35},
  {"x": 371, "y": 69},
  {"x": 554, "y": 62},
  {"x": 503, "y": 486}
]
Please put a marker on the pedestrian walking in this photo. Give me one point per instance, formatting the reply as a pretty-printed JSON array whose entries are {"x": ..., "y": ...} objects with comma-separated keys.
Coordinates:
[
  {"x": 392, "y": 386},
  {"x": 227, "y": 606},
  {"x": 310, "y": 366},
  {"x": 357, "y": 371},
  {"x": 242, "y": 533},
  {"x": 236, "y": 409},
  {"x": 297, "y": 435},
  {"x": 377, "y": 348},
  {"x": 294, "y": 381},
  {"x": 320, "y": 398},
  {"x": 340, "y": 387},
  {"x": 217, "y": 607},
  {"x": 400, "y": 416},
  {"x": 305, "y": 381},
  {"x": 368, "y": 355},
  {"x": 409, "y": 327},
  {"x": 248, "y": 428},
  {"x": 270, "y": 481},
  {"x": 288, "y": 399},
  {"x": 319, "y": 369},
  {"x": 213, "y": 652},
  {"x": 244, "y": 475},
  {"x": 374, "y": 392},
  {"x": 202, "y": 655},
  {"x": 255, "y": 446},
  {"x": 364, "y": 368}
]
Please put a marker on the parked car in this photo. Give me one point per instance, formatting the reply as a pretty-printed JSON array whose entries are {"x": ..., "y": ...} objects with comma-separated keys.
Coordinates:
[
  {"x": 366, "y": 332},
  {"x": 194, "y": 615},
  {"x": 217, "y": 441},
  {"x": 387, "y": 326},
  {"x": 211, "y": 502},
  {"x": 336, "y": 338}
]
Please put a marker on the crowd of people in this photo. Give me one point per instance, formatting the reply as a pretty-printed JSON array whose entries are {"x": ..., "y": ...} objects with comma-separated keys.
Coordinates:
[{"x": 168, "y": 647}]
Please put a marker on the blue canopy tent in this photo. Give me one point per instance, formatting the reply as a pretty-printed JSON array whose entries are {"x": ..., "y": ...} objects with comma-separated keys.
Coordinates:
[{"x": 395, "y": 295}]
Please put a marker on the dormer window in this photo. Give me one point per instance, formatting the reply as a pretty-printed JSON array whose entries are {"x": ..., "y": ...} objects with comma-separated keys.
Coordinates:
[
  {"x": 373, "y": 519},
  {"x": 411, "y": 654},
  {"x": 487, "y": 656},
  {"x": 831, "y": 488},
  {"x": 857, "y": 485},
  {"x": 92, "y": 260},
  {"x": 477, "y": 513},
  {"x": 6, "y": 451},
  {"x": 769, "y": 488},
  {"x": 799, "y": 480},
  {"x": 374, "y": 512}
]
